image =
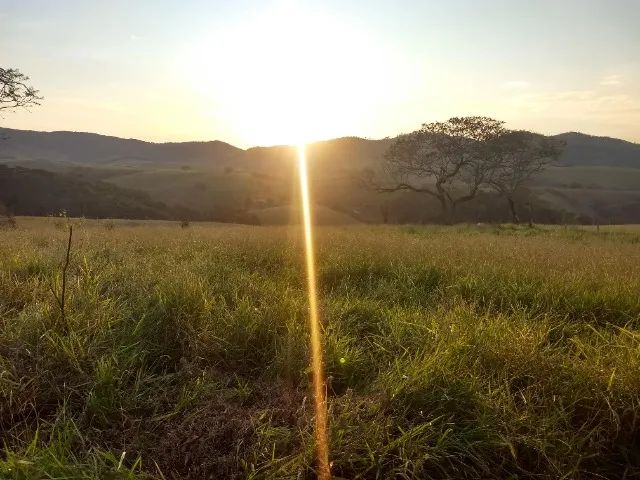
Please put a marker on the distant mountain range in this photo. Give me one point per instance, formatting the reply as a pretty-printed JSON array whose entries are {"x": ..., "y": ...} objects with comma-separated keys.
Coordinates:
[
  {"x": 596, "y": 179},
  {"x": 94, "y": 149}
]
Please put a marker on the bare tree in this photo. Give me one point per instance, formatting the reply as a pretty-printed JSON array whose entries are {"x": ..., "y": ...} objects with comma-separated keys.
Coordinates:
[
  {"x": 14, "y": 90},
  {"x": 454, "y": 156},
  {"x": 518, "y": 156}
]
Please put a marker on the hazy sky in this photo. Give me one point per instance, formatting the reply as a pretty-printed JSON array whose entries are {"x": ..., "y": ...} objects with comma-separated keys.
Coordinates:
[{"x": 259, "y": 72}]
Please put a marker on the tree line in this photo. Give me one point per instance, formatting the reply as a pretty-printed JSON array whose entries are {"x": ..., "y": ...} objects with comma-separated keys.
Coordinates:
[{"x": 454, "y": 160}]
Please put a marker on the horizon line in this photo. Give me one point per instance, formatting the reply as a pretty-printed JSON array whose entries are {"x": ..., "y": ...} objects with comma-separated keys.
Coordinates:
[{"x": 276, "y": 145}]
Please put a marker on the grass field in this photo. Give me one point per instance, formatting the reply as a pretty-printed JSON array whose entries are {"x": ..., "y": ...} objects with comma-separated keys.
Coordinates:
[{"x": 451, "y": 352}]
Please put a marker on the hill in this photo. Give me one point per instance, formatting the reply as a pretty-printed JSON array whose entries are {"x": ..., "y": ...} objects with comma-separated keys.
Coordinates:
[
  {"x": 587, "y": 150},
  {"x": 94, "y": 149},
  {"x": 597, "y": 178},
  {"x": 37, "y": 192}
]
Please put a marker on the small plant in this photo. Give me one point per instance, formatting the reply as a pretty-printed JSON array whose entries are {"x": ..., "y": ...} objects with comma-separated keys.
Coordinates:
[
  {"x": 185, "y": 224},
  {"x": 9, "y": 222},
  {"x": 61, "y": 219},
  {"x": 61, "y": 298}
]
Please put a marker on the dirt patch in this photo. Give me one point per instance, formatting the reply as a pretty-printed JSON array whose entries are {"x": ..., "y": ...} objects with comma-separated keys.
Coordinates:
[{"x": 212, "y": 439}]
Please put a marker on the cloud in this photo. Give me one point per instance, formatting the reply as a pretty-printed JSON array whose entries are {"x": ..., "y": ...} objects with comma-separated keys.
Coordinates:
[
  {"x": 515, "y": 84},
  {"x": 610, "y": 81},
  {"x": 575, "y": 103},
  {"x": 134, "y": 38}
]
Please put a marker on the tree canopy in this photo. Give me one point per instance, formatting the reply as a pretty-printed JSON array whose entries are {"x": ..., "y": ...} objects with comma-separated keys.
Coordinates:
[
  {"x": 453, "y": 160},
  {"x": 519, "y": 155},
  {"x": 15, "y": 92}
]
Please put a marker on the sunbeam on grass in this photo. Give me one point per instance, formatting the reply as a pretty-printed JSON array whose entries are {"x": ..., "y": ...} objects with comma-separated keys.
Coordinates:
[{"x": 449, "y": 352}]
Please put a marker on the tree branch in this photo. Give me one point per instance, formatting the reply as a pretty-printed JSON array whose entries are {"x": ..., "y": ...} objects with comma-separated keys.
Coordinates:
[{"x": 406, "y": 186}]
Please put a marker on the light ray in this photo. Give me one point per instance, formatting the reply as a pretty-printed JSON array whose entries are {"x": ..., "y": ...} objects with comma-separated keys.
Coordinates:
[{"x": 319, "y": 395}]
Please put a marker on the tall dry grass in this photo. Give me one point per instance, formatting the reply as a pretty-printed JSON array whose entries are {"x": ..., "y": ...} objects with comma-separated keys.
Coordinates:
[{"x": 468, "y": 352}]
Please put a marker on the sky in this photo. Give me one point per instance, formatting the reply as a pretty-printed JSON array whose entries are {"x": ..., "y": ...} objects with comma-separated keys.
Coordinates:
[{"x": 254, "y": 72}]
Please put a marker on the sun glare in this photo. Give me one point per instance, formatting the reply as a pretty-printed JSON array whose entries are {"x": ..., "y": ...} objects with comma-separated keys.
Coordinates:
[
  {"x": 319, "y": 395},
  {"x": 288, "y": 76}
]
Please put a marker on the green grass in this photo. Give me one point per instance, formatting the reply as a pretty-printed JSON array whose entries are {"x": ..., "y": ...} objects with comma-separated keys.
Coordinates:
[{"x": 451, "y": 352}]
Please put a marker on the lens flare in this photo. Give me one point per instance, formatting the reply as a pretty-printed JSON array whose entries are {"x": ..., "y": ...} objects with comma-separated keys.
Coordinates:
[{"x": 319, "y": 395}]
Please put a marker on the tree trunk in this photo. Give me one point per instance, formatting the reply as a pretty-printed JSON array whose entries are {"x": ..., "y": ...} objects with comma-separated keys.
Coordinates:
[
  {"x": 447, "y": 206},
  {"x": 514, "y": 213},
  {"x": 530, "y": 214},
  {"x": 384, "y": 209},
  {"x": 446, "y": 209}
]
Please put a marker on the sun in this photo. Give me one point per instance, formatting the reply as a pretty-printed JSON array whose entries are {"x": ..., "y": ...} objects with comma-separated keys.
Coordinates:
[{"x": 288, "y": 76}]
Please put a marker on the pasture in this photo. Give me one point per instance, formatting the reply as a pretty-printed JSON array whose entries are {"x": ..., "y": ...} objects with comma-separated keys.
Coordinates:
[{"x": 450, "y": 352}]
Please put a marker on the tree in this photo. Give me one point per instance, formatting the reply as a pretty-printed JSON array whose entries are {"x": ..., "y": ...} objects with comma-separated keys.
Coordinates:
[
  {"x": 15, "y": 92},
  {"x": 455, "y": 155},
  {"x": 518, "y": 156}
]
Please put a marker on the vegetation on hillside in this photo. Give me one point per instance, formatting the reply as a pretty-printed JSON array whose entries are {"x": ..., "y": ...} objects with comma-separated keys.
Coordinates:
[
  {"x": 37, "y": 192},
  {"x": 451, "y": 352},
  {"x": 589, "y": 150},
  {"x": 215, "y": 181}
]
